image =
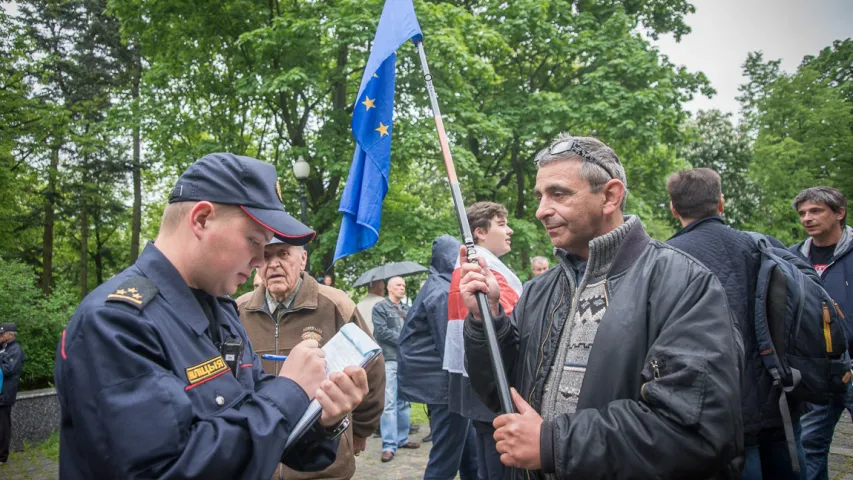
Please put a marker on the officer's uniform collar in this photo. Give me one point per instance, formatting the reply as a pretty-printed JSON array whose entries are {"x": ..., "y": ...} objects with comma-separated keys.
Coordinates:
[{"x": 173, "y": 288}]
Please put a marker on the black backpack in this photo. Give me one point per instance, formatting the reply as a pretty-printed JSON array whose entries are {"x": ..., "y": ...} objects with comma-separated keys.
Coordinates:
[{"x": 799, "y": 334}]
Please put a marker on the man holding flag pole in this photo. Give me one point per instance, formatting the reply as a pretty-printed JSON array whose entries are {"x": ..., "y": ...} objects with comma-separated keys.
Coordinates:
[{"x": 367, "y": 183}]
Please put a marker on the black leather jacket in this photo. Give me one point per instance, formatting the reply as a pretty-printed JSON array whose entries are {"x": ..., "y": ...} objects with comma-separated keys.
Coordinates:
[{"x": 661, "y": 393}]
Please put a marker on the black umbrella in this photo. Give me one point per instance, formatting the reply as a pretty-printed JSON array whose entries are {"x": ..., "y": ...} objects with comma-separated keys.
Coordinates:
[{"x": 393, "y": 269}]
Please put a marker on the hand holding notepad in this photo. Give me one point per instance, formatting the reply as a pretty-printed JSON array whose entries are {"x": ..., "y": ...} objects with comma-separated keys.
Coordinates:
[{"x": 351, "y": 346}]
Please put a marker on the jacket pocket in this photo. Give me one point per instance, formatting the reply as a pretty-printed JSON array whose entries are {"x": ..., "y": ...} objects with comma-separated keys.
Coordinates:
[{"x": 675, "y": 386}]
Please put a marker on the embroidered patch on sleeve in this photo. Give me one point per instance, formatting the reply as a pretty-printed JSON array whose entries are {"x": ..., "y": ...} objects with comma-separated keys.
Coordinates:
[{"x": 206, "y": 370}]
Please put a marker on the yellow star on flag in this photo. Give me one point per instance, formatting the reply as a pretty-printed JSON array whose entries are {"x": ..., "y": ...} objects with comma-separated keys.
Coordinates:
[
  {"x": 375, "y": 76},
  {"x": 383, "y": 129},
  {"x": 368, "y": 103}
]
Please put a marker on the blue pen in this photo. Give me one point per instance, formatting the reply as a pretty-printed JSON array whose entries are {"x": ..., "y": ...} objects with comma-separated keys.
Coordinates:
[{"x": 278, "y": 358}]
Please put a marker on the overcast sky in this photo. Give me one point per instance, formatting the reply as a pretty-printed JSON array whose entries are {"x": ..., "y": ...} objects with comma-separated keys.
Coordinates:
[{"x": 724, "y": 31}]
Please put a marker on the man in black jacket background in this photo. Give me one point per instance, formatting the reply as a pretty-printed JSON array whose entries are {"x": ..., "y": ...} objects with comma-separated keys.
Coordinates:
[
  {"x": 12, "y": 363},
  {"x": 697, "y": 201},
  {"x": 625, "y": 358},
  {"x": 420, "y": 378}
]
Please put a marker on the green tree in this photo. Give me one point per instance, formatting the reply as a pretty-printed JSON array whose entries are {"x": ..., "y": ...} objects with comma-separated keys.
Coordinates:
[
  {"x": 804, "y": 138},
  {"x": 717, "y": 144}
]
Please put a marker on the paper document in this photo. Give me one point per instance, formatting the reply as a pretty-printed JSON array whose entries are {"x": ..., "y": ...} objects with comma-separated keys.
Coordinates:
[{"x": 350, "y": 346}]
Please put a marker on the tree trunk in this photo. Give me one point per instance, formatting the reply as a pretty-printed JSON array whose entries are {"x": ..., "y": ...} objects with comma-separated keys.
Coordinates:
[
  {"x": 519, "y": 201},
  {"x": 99, "y": 246},
  {"x": 49, "y": 218},
  {"x": 136, "y": 222},
  {"x": 84, "y": 248}
]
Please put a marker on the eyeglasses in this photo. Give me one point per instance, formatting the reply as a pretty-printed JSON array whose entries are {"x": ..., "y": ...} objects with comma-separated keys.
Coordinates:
[{"x": 574, "y": 147}]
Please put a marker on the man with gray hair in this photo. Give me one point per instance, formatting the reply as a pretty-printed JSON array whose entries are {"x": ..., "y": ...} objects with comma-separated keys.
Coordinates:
[
  {"x": 624, "y": 360},
  {"x": 290, "y": 307},
  {"x": 538, "y": 265},
  {"x": 823, "y": 214}
]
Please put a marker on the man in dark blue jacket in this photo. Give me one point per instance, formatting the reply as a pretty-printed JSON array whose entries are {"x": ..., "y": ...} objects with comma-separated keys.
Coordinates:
[
  {"x": 420, "y": 354},
  {"x": 823, "y": 214},
  {"x": 696, "y": 200},
  {"x": 11, "y": 365},
  {"x": 156, "y": 376}
]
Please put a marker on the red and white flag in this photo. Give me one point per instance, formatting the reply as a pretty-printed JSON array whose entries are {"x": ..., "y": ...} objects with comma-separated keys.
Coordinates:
[{"x": 454, "y": 344}]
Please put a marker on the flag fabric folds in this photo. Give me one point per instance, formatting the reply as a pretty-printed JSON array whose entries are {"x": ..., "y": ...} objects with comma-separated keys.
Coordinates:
[
  {"x": 372, "y": 126},
  {"x": 454, "y": 340}
]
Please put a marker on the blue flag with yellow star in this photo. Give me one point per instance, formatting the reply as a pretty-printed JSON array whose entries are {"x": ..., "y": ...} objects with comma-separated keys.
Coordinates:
[{"x": 372, "y": 126}]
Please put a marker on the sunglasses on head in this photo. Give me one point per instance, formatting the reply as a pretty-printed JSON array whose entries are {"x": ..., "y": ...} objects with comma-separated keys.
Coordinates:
[{"x": 574, "y": 147}]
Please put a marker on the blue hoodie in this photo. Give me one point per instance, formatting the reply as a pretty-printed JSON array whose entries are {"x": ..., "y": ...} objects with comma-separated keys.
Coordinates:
[{"x": 420, "y": 351}]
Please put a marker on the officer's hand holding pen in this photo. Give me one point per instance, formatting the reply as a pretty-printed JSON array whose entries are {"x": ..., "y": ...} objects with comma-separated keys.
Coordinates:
[
  {"x": 305, "y": 365},
  {"x": 338, "y": 395}
]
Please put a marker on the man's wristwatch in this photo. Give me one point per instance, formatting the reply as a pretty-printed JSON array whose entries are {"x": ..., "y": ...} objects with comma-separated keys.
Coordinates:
[{"x": 336, "y": 431}]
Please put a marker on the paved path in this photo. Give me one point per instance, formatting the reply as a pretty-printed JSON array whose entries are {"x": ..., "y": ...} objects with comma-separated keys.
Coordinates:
[{"x": 409, "y": 464}]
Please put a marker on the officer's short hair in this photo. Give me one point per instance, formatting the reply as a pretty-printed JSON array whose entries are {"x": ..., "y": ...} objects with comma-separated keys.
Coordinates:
[
  {"x": 174, "y": 213},
  {"x": 829, "y": 196},
  {"x": 695, "y": 192}
]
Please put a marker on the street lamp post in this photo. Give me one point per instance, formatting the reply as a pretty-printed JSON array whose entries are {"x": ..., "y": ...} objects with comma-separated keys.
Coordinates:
[{"x": 301, "y": 170}]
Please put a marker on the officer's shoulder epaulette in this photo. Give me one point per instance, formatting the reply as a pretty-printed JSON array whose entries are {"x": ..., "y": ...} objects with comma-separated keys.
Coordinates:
[{"x": 136, "y": 291}]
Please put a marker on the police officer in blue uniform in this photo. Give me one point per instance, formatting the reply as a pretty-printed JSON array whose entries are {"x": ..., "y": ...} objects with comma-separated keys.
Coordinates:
[{"x": 155, "y": 375}]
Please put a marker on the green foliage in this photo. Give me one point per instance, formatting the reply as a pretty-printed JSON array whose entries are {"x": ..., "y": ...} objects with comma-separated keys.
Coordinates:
[
  {"x": 40, "y": 320},
  {"x": 804, "y": 138},
  {"x": 81, "y": 80},
  {"x": 717, "y": 144}
]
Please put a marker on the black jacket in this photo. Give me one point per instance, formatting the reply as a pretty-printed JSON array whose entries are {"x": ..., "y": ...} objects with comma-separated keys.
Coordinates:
[
  {"x": 837, "y": 278},
  {"x": 420, "y": 351},
  {"x": 734, "y": 258},
  {"x": 665, "y": 309},
  {"x": 12, "y": 362}
]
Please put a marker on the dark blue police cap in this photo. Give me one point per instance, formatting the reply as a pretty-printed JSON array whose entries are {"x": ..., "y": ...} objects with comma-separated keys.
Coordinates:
[{"x": 249, "y": 183}]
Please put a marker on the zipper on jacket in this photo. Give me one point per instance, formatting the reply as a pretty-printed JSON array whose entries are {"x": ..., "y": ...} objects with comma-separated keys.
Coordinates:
[
  {"x": 542, "y": 345},
  {"x": 655, "y": 368},
  {"x": 826, "y": 334}
]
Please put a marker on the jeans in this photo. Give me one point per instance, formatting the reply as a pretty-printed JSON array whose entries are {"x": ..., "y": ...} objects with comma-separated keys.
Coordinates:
[
  {"x": 818, "y": 428},
  {"x": 770, "y": 459},
  {"x": 395, "y": 420},
  {"x": 449, "y": 432},
  {"x": 488, "y": 457}
]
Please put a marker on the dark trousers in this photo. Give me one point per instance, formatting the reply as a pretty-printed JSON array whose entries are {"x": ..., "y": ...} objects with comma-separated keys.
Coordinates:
[
  {"x": 5, "y": 431},
  {"x": 488, "y": 457},
  {"x": 453, "y": 446},
  {"x": 770, "y": 458}
]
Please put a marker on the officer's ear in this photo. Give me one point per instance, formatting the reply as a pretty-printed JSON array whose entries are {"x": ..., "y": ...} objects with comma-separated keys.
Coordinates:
[{"x": 199, "y": 217}]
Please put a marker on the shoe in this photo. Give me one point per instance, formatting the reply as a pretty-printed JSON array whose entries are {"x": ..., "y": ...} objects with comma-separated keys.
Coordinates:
[
  {"x": 414, "y": 429},
  {"x": 387, "y": 457},
  {"x": 411, "y": 445},
  {"x": 427, "y": 439}
]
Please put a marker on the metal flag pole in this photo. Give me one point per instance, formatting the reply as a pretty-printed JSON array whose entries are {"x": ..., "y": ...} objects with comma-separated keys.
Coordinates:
[{"x": 468, "y": 239}]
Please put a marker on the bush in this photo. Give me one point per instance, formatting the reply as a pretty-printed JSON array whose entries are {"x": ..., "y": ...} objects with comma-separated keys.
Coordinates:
[{"x": 40, "y": 320}]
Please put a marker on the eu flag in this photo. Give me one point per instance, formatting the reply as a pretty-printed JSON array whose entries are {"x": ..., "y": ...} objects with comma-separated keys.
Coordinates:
[{"x": 372, "y": 125}]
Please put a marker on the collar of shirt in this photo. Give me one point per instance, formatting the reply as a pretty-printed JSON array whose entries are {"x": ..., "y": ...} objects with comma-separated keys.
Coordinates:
[
  {"x": 272, "y": 304},
  {"x": 174, "y": 289}
]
